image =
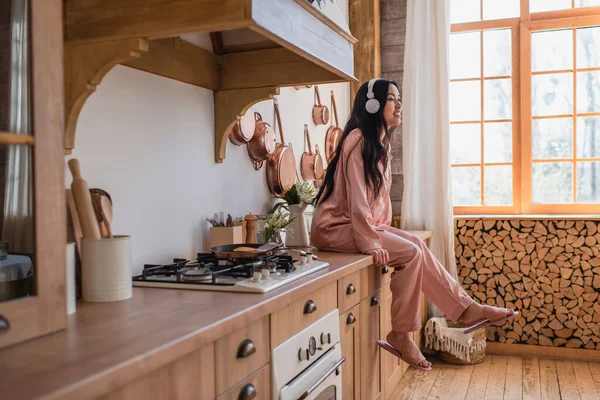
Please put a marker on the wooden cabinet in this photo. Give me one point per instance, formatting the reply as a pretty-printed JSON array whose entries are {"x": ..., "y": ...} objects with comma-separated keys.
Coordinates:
[
  {"x": 351, "y": 347},
  {"x": 392, "y": 368},
  {"x": 296, "y": 316},
  {"x": 37, "y": 118},
  {"x": 242, "y": 353},
  {"x": 189, "y": 377},
  {"x": 351, "y": 290},
  {"x": 256, "y": 386},
  {"x": 370, "y": 314}
]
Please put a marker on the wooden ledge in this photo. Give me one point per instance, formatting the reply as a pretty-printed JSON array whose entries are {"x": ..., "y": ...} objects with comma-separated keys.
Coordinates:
[{"x": 547, "y": 352}]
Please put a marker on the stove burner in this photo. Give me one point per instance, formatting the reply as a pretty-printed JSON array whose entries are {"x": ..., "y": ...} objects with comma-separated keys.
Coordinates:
[{"x": 210, "y": 270}]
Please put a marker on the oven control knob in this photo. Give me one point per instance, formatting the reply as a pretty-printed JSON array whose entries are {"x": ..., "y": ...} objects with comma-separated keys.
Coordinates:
[
  {"x": 256, "y": 277},
  {"x": 325, "y": 338},
  {"x": 303, "y": 354}
]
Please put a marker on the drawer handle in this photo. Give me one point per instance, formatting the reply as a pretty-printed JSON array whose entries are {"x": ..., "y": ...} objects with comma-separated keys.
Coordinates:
[
  {"x": 374, "y": 301},
  {"x": 248, "y": 392},
  {"x": 350, "y": 289},
  {"x": 246, "y": 349},
  {"x": 351, "y": 319},
  {"x": 384, "y": 270},
  {"x": 4, "y": 325},
  {"x": 310, "y": 307}
]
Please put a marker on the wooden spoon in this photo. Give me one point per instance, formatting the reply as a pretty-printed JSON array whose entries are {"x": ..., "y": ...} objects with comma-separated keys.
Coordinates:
[{"x": 107, "y": 214}]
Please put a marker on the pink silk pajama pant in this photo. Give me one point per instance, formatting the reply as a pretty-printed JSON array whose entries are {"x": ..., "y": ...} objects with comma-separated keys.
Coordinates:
[{"x": 416, "y": 269}]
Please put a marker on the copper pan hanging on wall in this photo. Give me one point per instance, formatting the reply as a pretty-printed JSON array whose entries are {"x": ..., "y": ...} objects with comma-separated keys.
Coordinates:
[
  {"x": 281, "y": 166},
  {"x": 263, "y": 142},
  {"x": 320, "y": 112},
  {"x": 243, "y": 130},
  {"x": 311, "y": 164},
  {"x": 334, "y": 133}
]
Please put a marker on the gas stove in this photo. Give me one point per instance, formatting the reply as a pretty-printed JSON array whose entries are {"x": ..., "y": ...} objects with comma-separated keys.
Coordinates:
[{"x": 207, "y": 272}]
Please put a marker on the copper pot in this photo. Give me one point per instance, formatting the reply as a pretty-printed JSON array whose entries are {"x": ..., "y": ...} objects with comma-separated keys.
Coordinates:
[
  {"x": 311, "y": 164},
  {"x": 243, "y": 130},
  {"x": 281, "y": 166},
  {"x": 320, "y": 112},
  {"x": 263, "y": 142},
  {"x": 334, "y": 133}
]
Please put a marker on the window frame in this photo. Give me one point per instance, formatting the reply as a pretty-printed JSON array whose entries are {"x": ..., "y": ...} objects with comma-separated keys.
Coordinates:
[{"x": 522, "y": 157}]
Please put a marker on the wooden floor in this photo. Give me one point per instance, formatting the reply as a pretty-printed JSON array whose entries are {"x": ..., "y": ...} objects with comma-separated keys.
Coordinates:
[{"x": 501, "y": 377}]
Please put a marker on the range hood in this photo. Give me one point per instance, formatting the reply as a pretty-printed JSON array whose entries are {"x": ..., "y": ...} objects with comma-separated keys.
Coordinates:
[{"x": 260, "y": 45}]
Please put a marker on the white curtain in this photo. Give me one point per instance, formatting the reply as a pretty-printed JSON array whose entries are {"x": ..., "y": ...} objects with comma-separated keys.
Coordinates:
[
  {"x": 18, "y": 203},
  {"x": 427, "y": 199}
]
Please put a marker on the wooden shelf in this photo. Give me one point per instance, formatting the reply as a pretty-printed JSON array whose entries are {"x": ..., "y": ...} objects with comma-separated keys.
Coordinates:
[{"x": 306, "y": 48}]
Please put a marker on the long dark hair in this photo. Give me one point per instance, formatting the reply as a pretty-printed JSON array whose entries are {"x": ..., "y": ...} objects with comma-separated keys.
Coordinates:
[{"x": 371, "y": 126}]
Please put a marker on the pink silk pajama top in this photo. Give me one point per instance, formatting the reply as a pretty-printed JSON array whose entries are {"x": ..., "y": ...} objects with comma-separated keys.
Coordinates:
[{"x": 349, "y": 219}]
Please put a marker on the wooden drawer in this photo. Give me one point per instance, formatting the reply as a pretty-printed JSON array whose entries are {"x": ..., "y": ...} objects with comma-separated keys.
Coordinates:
[
  {"x": 350, "y": 291},
  {"x": 374, "y": 278},
  {"x": 296, "y": 316},
  {"x": 242, "y": 353},
  {"x": 257, "y": 386}
]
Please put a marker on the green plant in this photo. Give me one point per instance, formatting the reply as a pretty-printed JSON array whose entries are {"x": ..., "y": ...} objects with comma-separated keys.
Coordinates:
[
  {"x": 301, "y": 193},
  {"x": 276, "y": 222}
]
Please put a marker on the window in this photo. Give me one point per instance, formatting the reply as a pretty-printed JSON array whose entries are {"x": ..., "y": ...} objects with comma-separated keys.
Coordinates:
[{"x": 525, "y": 106}]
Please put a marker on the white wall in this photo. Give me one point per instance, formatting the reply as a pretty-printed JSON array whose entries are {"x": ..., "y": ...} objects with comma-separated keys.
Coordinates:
[{"x": 149, "y": 142}]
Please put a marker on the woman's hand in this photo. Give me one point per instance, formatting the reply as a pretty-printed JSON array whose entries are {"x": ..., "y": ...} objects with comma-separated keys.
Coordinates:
[{"x": 380, "y": 256}]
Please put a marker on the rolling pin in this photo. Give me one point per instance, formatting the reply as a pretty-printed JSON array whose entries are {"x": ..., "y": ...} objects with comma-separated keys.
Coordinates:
[{"x": 83, "y": 202}]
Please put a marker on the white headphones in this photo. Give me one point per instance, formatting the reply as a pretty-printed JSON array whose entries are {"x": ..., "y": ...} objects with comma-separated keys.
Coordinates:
[{"x": 372, "y": 105}]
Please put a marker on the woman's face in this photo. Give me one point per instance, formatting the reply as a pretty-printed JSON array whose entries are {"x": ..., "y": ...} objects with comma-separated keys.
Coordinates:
[{"x": 393, "y": 107}]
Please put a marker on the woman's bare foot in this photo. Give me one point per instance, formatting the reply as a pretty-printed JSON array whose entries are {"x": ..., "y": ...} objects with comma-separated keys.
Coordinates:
[
  {"x": 409, "y": 350},
  {"x": 478, "y": 312}
]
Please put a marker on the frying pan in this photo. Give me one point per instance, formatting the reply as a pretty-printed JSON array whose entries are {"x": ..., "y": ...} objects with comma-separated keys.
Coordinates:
[
  {"x": 227, "y": 251},
  {"x": 334, "y": 133},
  {"x": 281, "y": 166}
]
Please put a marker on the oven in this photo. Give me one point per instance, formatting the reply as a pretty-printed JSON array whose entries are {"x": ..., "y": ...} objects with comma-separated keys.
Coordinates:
[{"x": 308, "y": 366}]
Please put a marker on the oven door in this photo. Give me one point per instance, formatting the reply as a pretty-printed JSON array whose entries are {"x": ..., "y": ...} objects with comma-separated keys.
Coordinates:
[{"x": 321, "y": 381}]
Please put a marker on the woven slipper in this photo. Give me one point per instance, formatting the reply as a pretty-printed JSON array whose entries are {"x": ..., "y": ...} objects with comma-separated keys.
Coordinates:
[
  {"x": 386, "y": 346},
  {"x": 486, "y": 322}
]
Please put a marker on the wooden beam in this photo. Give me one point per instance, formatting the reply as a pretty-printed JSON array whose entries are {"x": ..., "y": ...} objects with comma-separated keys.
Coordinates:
[
  {"x": 85, "y": 67},
  {"x": 180, "y": 60},
  {"x": 272, "y": 67},
  {"x": 365, "y": 26},
  {"x": 103, "y": 20},
  {"x": 230, "y": 105}
]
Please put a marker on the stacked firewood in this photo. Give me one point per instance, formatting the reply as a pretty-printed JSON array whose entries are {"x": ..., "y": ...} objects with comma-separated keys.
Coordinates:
[{"x": 549, "y": 270}]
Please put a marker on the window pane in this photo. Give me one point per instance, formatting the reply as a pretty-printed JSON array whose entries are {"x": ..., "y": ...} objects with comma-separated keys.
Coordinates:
[
  {"x": 588, "y": 53},
  {"x": 465, "y": 143},
  {"x": 548, "y": 5},
  {"x": 498, "y": 185},
  {"x": 494, "y": 9},
  {"x": 587, "y": 3},
  {"x": 465, "y": 51},
  {"x": 588, "y": 182},
  {"x": 497, "y": 142},
  {"x": 552, "y": 138},
  {"x": 552, "y": 94},
  {"x": 552, "y": 183},
  {"x": 464, "y": 11},
  {"x": 497, "y": 56},
  {"x": 497, "y": 99},
  {"x": 552, "y": 50},
  {"x": 588, "y": 137},
  {"x": 466, "y": 186},
  {"x": 588, "y": 91},
  {"x": 465, "y": 101}
]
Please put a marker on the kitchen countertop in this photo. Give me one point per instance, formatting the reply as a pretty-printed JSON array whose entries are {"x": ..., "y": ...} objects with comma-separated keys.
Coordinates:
[{"x": 107, "y": 345}]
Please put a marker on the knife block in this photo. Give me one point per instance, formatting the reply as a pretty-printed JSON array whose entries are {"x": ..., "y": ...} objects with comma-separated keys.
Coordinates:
[
  {"x": 222, "y": 235},
  {"x": 106, "y": 269}
]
